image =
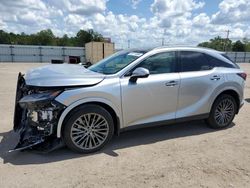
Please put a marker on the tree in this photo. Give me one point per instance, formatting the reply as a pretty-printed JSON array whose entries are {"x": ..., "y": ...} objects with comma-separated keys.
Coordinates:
[
  {"x": 46, "y": 37},
  {"x": 238, "y": 46},
  {"x": 218, "y": 43},
  {"x": 246, "y": 42},
  {"x": 64, "y": 41},
  {"x": 83, "y": 37},
  {"x": 95, "y": 36},
  {"x": 4, "y": 37}
]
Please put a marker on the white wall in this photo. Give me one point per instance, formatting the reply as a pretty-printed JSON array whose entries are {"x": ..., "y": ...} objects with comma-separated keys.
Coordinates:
[{"x": 29, "y": 53}]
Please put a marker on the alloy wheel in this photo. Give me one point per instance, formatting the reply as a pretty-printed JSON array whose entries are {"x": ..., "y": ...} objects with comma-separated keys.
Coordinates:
[
  {"x": 224, "y": 112},
  {"x": 89, "y": 131}
]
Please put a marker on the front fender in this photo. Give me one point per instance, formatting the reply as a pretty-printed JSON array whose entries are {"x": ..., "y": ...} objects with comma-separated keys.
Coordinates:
[{"x": 83, "y": 101}]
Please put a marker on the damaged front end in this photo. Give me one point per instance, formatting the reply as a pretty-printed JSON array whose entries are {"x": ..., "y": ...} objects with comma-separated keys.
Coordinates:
[{"x": 36, "y": 116}]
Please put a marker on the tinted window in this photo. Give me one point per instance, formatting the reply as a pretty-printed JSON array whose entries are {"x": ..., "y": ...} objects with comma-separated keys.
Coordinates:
[
  {"x": 160, "y": 63},
  {"x": 219, "y": 63},
  {"x": 194, "y": 61},
  {"x": 225, "y": 55}
]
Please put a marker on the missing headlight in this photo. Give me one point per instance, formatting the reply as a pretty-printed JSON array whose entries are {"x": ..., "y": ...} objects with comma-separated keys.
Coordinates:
[
  {"x": 36, "y": 117},
  {"x": 32, "y": 101}
]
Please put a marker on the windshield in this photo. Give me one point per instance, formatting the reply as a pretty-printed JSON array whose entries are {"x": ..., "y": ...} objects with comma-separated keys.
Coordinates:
[{"x": 116, "y": 62}]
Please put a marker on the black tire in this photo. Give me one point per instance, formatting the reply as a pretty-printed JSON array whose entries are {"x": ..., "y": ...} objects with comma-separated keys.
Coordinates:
[
  {"x": 214, "y": 122},
  {"x": 73, "y": 120}
]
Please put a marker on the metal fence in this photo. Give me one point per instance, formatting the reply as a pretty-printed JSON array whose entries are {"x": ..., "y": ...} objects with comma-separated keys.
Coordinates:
[
  {"x": 42, "y": 54},
  {"x": 239, "y": 57},
  {"x": 29, "y": 53}
]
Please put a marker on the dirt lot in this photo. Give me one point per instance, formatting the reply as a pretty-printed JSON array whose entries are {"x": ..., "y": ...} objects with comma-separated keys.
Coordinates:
[{"x": 180, "y": 155}]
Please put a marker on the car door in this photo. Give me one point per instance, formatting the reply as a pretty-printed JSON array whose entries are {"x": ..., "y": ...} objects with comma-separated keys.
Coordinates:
[
  {"x": 198, "y": 81},
  {"x": 151, "y": 99}
]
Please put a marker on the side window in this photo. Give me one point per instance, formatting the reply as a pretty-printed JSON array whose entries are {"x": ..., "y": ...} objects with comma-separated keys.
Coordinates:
[
  {"x": 194, "y": 61},
  {"x": 160, "y": 63},
  {"x": 219, "y": 63}
]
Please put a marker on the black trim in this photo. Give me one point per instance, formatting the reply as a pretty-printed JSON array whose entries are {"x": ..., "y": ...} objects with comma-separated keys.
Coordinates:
[
  {"x": 118, "y": 126},
  {"x": 165, "y": 122},
  {"x": 191, "y": 118},
  {"x": 19, "y": 94},
  {"x": 178, "y": 67}
]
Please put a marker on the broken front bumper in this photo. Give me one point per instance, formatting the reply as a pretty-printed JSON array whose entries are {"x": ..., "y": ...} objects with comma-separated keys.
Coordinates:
[{"x": 36, "y": 116}]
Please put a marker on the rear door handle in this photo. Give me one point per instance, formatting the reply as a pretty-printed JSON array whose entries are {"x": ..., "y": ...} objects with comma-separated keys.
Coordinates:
[
  {"x": 171, "y": 83},
  {"x": 215, "y": 77}
]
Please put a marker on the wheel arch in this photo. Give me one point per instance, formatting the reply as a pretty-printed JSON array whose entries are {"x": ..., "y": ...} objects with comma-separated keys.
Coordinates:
[
  {"x": 115, "y": 113},
  {"x": 232, "y": 93}
]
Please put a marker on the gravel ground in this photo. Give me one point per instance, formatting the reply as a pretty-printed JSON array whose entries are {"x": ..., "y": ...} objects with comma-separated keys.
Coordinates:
[{"x": 180, "y": 155}]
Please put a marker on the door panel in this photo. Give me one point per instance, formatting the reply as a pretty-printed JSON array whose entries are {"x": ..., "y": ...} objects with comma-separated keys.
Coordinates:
[
  {"x": 195, "y": 92},
  {"x": 198, "y": 81},
  {"x": 150, "y": 99}
]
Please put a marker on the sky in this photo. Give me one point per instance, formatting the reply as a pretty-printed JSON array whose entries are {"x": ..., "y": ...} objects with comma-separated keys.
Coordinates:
[{"x": 145, "y": 23}]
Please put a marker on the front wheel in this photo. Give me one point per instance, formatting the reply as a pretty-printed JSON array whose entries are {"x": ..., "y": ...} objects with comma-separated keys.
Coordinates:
[
  {"x": 88, "y": 129},
  {"x": 222, "y": 112}
]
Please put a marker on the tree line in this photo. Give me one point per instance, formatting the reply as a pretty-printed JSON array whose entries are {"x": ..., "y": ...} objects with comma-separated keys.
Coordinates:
[
  {"x": 47, "y": 38},
  {"x": 223, "y": 44}
]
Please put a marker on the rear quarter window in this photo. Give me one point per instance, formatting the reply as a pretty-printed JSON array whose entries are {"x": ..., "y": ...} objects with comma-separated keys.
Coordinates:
[
  {"x": 215, "y": 62},
  {"x": 226, "y": 56}
]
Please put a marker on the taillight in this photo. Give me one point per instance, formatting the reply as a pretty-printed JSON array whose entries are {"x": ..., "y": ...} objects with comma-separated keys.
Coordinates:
[{"x": 242, "y": 75}]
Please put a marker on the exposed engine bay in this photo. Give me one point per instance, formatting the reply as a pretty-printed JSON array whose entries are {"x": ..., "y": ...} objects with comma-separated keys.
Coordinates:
[{"x": 36, "y": 116}]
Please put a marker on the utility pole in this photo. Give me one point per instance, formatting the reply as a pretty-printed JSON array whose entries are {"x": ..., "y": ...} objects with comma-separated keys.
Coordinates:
[
  {"x": 225, "y": 44},
  {"x": 162, "y": 41},
  {"x": 128, "y": 43}
]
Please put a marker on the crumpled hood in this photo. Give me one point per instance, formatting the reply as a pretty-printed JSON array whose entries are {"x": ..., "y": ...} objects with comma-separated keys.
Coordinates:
[{"x": 59, "y": 75}]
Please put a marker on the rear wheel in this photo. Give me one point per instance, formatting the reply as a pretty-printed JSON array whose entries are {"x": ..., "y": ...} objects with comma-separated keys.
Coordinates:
[
  {"x": 88, "y": 129},
  {"x": 223, "y": 112}
]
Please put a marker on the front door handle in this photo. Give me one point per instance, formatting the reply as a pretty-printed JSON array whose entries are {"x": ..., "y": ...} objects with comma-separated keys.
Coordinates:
[
  {"x": 171, "y": 83},
  {"x": 215, "y": 77}
]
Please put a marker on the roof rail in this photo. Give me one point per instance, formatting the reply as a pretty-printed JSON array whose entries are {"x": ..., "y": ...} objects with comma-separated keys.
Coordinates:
[
  {"x": 185, "y": 46},
  {"x": 172, "y": 46}
]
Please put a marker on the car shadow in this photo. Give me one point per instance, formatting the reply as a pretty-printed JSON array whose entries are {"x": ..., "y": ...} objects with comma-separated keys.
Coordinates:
[
  {"x": 125, "y": 140},
  {"x": 247, "y": 100}
]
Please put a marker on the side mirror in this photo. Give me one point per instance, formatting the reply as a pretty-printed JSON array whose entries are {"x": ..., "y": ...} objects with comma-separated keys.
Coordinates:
[{"x": 139, "y": 73}]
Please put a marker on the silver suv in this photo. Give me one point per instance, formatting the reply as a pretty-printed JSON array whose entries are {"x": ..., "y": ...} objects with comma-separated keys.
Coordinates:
[{"x": 84, "y": 108}]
